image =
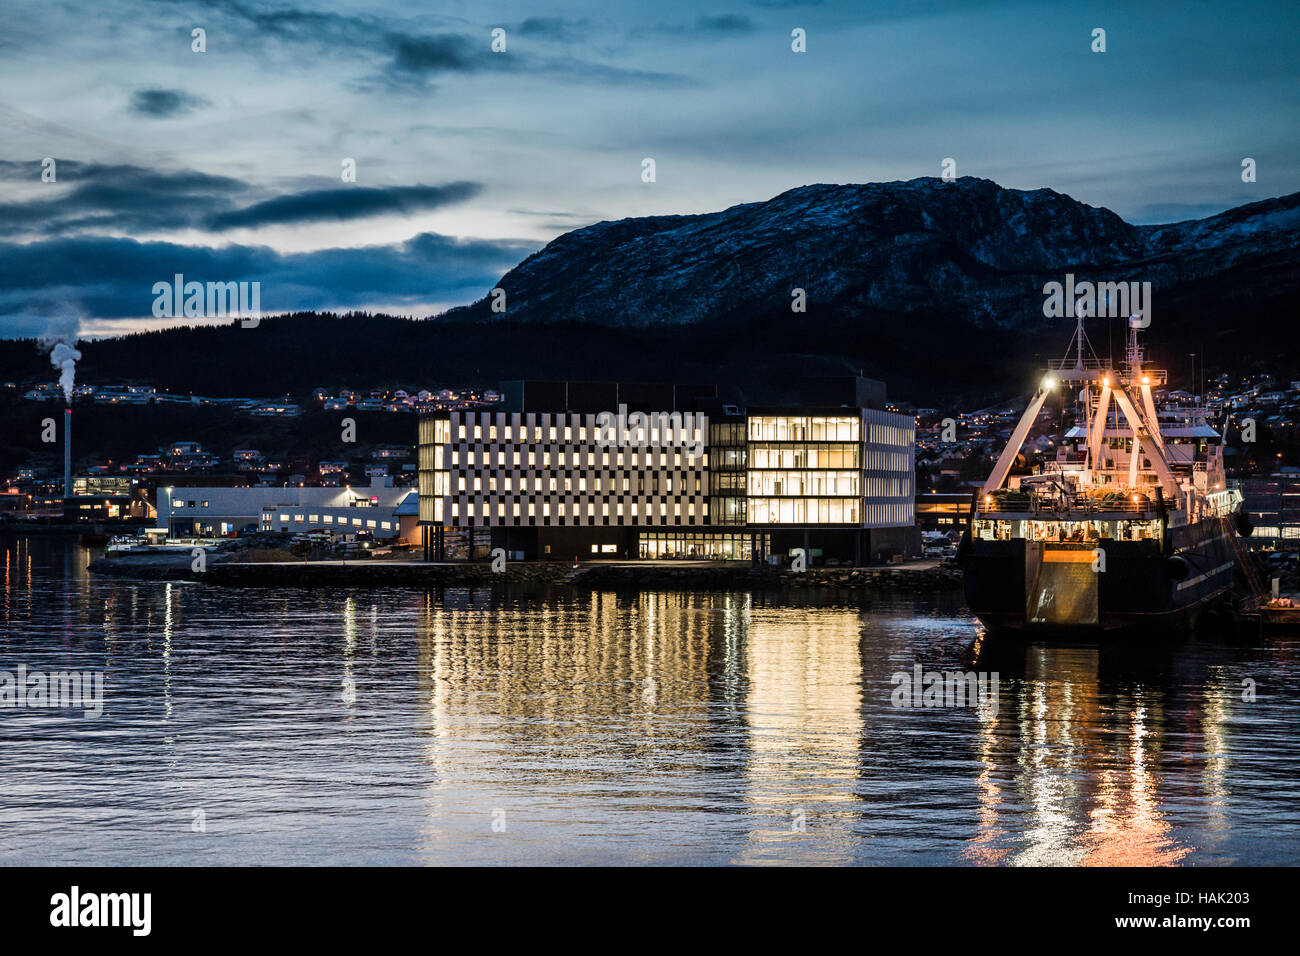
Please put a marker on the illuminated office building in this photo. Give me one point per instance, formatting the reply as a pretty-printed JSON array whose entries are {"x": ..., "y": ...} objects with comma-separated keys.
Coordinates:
[{"x": 681, "y": 475}]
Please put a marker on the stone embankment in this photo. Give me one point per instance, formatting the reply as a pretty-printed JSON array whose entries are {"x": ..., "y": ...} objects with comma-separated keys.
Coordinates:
[
  {"x": 712, "y": 577},
  {"x": 248, "y": 571}
]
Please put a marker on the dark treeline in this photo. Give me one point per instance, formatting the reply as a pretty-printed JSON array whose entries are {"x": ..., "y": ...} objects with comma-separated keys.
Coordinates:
[
  {"x": 117, "y": 433},
  {"x": 944, "y": 361}
]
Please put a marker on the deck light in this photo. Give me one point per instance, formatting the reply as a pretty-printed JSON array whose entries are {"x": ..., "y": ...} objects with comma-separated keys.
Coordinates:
[{"x": 1049, "y": 381}]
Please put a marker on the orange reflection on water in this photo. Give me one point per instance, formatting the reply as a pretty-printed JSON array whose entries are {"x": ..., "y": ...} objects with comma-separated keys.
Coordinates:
[
  {"x": 804, "y": 711},
  {"x": 1081, "y": 780}
]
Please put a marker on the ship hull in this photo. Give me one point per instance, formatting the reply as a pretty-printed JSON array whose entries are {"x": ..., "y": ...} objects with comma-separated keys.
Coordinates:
[{"x": 1067, "y": 590}]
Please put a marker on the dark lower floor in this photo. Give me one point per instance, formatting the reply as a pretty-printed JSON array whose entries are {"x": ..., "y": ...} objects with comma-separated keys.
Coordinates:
[{"x": 821, "y": 546}]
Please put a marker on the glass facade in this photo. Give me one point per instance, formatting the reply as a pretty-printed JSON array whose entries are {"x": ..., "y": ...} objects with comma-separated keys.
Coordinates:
[
  {"x": 722, "y": 547},
  {"x": 804, "y": 428},
  {"x": 804, "y": 469},
  {"x": 728, "y": 464},
  {"x": 434, "y": 476}
]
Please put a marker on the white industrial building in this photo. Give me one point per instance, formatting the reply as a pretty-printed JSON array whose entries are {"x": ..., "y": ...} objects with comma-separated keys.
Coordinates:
[{"x": 217, "y": 512}]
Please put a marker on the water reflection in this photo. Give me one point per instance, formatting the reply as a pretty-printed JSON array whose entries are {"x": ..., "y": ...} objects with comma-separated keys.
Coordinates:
[
  {"x": 513, "y": 726},
  {"x": 1102, "y": 765}
]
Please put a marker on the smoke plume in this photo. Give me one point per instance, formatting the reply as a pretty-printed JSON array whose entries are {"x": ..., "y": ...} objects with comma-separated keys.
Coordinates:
[{"x": 60, "y": 337}]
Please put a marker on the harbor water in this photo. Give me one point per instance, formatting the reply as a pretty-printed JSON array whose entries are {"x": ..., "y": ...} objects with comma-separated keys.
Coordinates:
[{"x": 569, "y": 726}]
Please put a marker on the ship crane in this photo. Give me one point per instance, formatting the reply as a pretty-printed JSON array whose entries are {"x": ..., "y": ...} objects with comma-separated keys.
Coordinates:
[{"x": 1081, "y": 366}]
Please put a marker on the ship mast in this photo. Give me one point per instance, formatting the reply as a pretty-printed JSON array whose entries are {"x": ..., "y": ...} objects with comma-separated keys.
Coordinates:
[{"x": 1080, "y": 366}]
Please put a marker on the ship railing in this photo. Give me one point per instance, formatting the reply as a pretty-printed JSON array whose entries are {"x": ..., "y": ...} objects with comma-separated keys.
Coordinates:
[
  {"x": 1064, "y": 365},
  {"x": 1096, "y": 367},
  {"x": 1066, "y": 457},
  {"x": 1065, "y": 506},
  {"x": 1149, "y": 376}
]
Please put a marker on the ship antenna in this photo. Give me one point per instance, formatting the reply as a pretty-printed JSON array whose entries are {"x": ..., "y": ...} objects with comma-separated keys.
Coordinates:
[{"x": 1080, "y": 345}]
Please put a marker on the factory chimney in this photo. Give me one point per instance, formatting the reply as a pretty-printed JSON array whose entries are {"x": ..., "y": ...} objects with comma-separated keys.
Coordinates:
[{"x": 67, "y": 453}]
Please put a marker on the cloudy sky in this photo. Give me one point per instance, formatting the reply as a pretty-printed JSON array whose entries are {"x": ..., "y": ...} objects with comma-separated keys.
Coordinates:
[{"x": 226, "y": 165}]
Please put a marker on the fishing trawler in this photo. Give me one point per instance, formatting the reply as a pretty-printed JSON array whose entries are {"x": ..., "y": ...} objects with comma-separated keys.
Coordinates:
[{"x": 1133, "y": 524}]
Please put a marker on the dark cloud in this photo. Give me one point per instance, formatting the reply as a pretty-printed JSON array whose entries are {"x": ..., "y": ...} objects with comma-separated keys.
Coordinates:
[
  {"x": 162, "y": 104},
  {"x": 301, "y": 26},
  {"x": 113, "y": 278},
  {"x": 730, "y": 24},
  {"x": 442, "y": 53},
  {"x": 136, "y": 199},
  {"x": 344, "y": 203},
  {"x": 409, "y": 61},
  {"x": 416, "y": 60},
  {"x": 117, "y": 196},
  {"x": 552, "y": 28}
]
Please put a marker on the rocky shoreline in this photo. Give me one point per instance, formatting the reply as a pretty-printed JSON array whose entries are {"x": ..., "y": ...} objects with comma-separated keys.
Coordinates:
[
  {"x": 662, "y": 578},
  {"x": 306, "y": 574}
]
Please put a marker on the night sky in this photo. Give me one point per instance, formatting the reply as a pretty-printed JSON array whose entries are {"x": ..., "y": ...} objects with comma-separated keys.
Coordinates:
[{"x": 226, "y": 165}]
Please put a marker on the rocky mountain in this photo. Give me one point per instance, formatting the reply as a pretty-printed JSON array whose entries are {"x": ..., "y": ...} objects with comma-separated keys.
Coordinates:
[
  {"x": 934, "y": 287},
  {"x": 968, "y": 251}
]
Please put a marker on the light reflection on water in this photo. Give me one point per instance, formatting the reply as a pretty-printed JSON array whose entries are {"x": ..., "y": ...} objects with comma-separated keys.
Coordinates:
[{"x": 403, "y": 727}]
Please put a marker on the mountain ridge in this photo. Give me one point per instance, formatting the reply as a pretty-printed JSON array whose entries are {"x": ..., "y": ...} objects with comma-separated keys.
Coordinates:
[
  {"x": 915, "y": 246},
  {"x": 936, "y": 288}
]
